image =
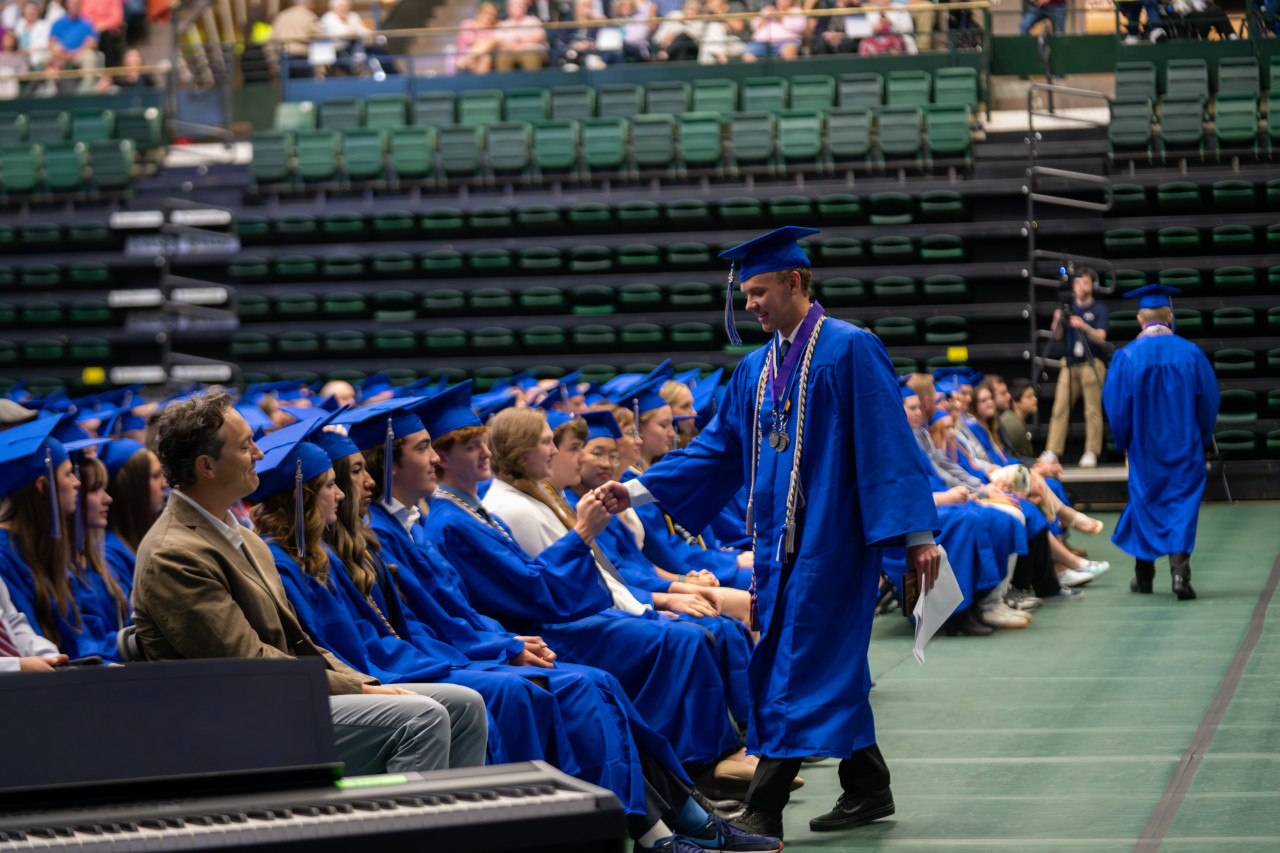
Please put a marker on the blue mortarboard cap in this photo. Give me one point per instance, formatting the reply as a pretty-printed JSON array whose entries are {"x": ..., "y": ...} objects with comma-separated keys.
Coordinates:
[
  {"x": 1153, "y": 296},
  {"x": 130, "y": 422},
  {"x": 416, "y": 388},
  {"x": 704, "y": 392},
  {"x": 945, "y": 387},
  {"x": 287, "y": 466},
  {"x": 565, "y": 389},
  {"x": 320, "y": 431},
  {"x": 907, "y": 391},
  {"x": 367, "y": 425},
  {"x": 489, "y": 404},
  {"x": 707, "y": 412},
  {"x": 601, "y": 424},
  {"x": 305, "y": 413},
  {"x": 66, "y": 429},
  {"x": 620, "y": 383},
  {"x": 28, "y": 452},
  {"x": 689, "y": 377},
  {"x": 938, "y": 414},
  {"x": 555, "y": 418},
  {"x": 594, "y": 397},
  {"x": 378, "y": 383},
  {"x": 114, "y": 454},
  {"x": 449, "y": 410},
  {"x": 642, "y": 397},
  {"x": 257, "y": 419},
  {"x": 777, "y": 250}
]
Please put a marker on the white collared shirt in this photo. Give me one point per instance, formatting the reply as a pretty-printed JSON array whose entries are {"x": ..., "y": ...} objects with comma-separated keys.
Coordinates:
[
  {"x": 228, "y": 527},
  {"x": 407, "y": 516},
  {"x": 23, "y": 636}
]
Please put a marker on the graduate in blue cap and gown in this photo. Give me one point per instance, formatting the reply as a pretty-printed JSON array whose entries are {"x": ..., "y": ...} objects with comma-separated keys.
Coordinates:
[
  {"x": 813, "y": 424},
  {"x": 562, "y": 594},
  {"x": 37, "y": 544},
  {"x": 1161, "y": 398},
  {"x": 137, "y": 487}
]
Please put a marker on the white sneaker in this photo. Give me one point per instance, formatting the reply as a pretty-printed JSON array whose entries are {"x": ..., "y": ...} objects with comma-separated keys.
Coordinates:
[
  {"x": 1131, "y": 39},
  {"x": 997, "y": 618},
  {"x": 1093, "y": 567},
  {"x": 1089, "y": 460},
  {"x": 1158, "y": 35},
  {"x": 1020, "y": 614},
  {"x": 1072, "y": 577}
]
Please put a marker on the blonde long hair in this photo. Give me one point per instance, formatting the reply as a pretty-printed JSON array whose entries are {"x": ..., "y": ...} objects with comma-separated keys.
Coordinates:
[
  {"x": 513, "y": 433},
  {"x": 93, "y": 476},
  {"x": 274, "y": 519}
]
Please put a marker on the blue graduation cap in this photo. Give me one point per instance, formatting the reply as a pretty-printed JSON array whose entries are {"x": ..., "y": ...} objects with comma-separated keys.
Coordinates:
[
  {"x": 371, "y": 386},
  {"x": 321, "y": 431},
  {"x": 555, "y": 418},
  {"x": 488, "y": 405},
  {"x": 114, "y": 454},
  {"x": 287, "y": 466},
  {"x": 28, "y": 452},
  {"x": 704, "y": 392},
  {"x": 689, "y": 377},
  {"x": 777, "y": 250},
  {"x": 416, "y": 388},
  {"x": 619, "y": 383},
  {"x": 945, "y": 388},
  {"x": 381, "y": 423},
  {"x": 907, "y": 391},
  {"x": 129, "y": 422},
  {"x": 594, "y": 397},
  {"x": 565, "y": 390},
  {"x": 305, "y": 413},
  {"x": 601, "y": 424},
  {"x": 448, "y": 411},
  {"x": 641, "y": 398},
  {"x": 938, "y": 414},
  {"x": 1153, "y": 296},
  {"x": 257, "y": 419}
]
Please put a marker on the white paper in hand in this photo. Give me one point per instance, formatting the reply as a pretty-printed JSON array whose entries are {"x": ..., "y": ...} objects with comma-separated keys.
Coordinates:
[{"x": 936, "y": 606}]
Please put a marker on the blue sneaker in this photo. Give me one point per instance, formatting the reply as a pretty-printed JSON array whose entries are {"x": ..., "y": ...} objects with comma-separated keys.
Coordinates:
[
  {"x": 670, "y": 844},
  {"x": 718, "y": 834}
]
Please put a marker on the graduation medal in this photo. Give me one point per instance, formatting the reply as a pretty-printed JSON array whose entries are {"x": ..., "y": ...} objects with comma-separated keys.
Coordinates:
[{"x": 778, "y": 439}]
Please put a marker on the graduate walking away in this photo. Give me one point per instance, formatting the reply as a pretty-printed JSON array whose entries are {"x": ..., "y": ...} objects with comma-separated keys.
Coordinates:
[
  {"x": 1162, "y": 400},
  {"x": 813, "y": 425}
]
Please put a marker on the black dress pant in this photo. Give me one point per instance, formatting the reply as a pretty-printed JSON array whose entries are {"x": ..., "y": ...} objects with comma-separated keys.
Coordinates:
[
  {"x": 862, "y": 774},
  {"x": 664, "y": 794},
  {"x": 1034, "y": 570}
]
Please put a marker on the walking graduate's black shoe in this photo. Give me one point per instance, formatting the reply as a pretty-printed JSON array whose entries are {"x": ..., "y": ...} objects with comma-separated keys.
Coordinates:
[{"x": 851, "y": 811}]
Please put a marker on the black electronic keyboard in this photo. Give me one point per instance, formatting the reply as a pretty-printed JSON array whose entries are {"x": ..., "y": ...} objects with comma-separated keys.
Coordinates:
[{"x": 530, "y": 806}]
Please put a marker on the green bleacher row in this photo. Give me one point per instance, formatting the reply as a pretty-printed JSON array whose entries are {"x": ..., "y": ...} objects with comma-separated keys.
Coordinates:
[
  {"x": 1179, "y": 123},
  {"x": 142, "y": 126},
  {"x": 1188, "y": 240},
  {"x": 79, "y": 168},
  {"x": 1226, "y": 281},
  {"x": 53, "y": 237},
  {"x": 723, "y": 97},
  {"x": 592, "y": 149},
  {"x": 1173, "y": 198}
]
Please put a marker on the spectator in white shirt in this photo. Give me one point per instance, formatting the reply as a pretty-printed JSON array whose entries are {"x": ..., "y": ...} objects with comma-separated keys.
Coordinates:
[
  {"x": 724, "y": 40},
  {"x": 778, "y": 31},
  {"x": 522, "y": 40},
  {"x": 33, "y": 35}
]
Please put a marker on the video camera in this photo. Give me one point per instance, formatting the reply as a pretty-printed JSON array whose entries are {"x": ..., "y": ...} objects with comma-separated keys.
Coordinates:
[{"x": 1066, "y": 293}]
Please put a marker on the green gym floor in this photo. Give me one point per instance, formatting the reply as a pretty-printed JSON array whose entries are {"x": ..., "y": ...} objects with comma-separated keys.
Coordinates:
[{"x": 1064, "y": 736}]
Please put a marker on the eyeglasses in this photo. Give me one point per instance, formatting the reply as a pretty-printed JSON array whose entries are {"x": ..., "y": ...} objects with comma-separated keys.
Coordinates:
[{"x": 611, "y": 458}]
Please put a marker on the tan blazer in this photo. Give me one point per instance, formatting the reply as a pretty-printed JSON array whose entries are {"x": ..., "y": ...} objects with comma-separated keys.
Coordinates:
[{"x": 197, "y": 596}]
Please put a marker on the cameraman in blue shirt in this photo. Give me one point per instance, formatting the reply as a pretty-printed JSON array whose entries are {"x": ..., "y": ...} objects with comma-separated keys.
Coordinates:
[{"x": 1085, "y": 333}]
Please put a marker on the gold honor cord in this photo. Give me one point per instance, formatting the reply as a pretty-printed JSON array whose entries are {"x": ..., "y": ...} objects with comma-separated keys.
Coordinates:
[{"x": 470, "y": 510}]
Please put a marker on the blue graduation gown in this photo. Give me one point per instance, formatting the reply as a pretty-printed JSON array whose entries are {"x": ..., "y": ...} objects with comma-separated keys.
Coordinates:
[
  {"x": 730, "y": 524},
  {"x": 99, "y": 618},
  {"x": 121, "y": 560},
  {"x": 1161, "y": 398},
  {"x": 864, "y": 488},
  {"x": 664, "y": 666}
]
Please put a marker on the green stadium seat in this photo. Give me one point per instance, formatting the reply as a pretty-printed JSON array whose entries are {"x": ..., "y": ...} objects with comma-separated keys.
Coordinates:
[
  {"x": 44, "y": 349},
  {"x": 491, "y": 300},
  {"x": 604, "y": 145},
  {"x": 1124, "y": 324},
  {"x": 763, "y": 94},
  {"x": 1273, "y": 323},
  {"x": 342, "y": 225},
  {"x": 594, "y": 337},
  {"x": 318, "y": 152},
  {"x": 460, "y": 152},
  {"x": 143, "y": 126},
  {"x": 64, "y": 167},
  {"x": 791, "y": 209},
  {"x": 253, "y": 229},
  {"x": 689, "y": 255},
  {"x": 1273, "y": 238},
  {"x": 272, "y": 158},
  {"x": 526, "y": 105},
  {"x": 839, "y": 208},
  {"x": 386, "y": 112},
  {"x": 956, "y": 87},
  {"x": 700, "y": 145},
  {"x": 692, "y": 335},
  {"x": 543, "y": 300},
  {"x": 800, "y": 136},
  {"x": 740, "y": 212},
  {"x": 894, "y": 289},
  {"x": 243, "y": 344},
  {"x": 1190, "y": 322},
  {"x": 8, "y": 352},
  {"x": 1239, "y": 75},
  {"x": 849, "y": 135},
  {"x": 592, "y": 215},
  {"x": 435, "y": 109},
  {"x": 540, "y": 260},
  {"x": 89, "y": 272},
  {"x": 621, "y": 100},
  {"x": 295, "y": 116},
  {"x": 297, "y": 226},
  {"x": 364, "y": 154},
  {"x": 1234, "y": 321},
  {"x": 903, "y": 366},
  {"x": 1233, "y": 238},
  {"x": 1272, "y": 191},
  {"x": 945, "y": 288},
  {"x": 41, "y": 234},
  {"x": 946, "y": 130},
  {"x": 111, "y": 164},
  {"x": 896, "y": 331},
  {"x": 637, "y": 256},
  {"x": 444, "y": 302},
  {"x": 891, "y": 208},
  {"x": 345, "y": 341},
  {"x": 840, "y": 251},
  {"x": 1179, "y": 197},
  {"x": 297, "y": 305},
  {"x": 1128, "y": 200},
  {"x": 1129, "y": 131},
  {"x": 490, "y": 218},
  {"x": 538, "y": 217},
  {"x": 665, "y": 97},
  {"x": 394, "y": 306},
  {"x": 413, "y": 150},
  {"x": 490, "y": 260},
  {"x": 942, "y": 206},
  {"x": 908, "y": 89},
  {"x": 1235, "y": 123},
  {"x": 344, "y": 265},
  {"x": 813, "y": 92},
  {"x": 394, "y": 224},
  {"x": 592, "y": 258},
  {"x": 653, "y": 143},
  {"x": 41, "y": 314},
  {"x": 249, "y": 268},
  {"x": 555, "y": 146},
  {"x": 946, "y": 329},
  {"x": 90, "y": 312},
  {"x": 20, "y": 169},
  {"x": 861, "y": 91},
  {"x": 1235, "y": 361},
  {"x": 13, "y": 130},
  {"x": 1124, "y": 242},
  {"x": 691, "y": 296},
  {"x": 639, "y": 215},
  {"x": 715, "y": 95},
  {"x": 92, "y": 126},
  {"x": 592, "y": 299},
  {"x": 940, "y": 248},
  {"x": 1181, "y": 124},
  {"x": 573, "y": 103},
  {"x": 1136, "y": 80},
  {"x": 344, "y": 303},
  {"x": 342, "y": 114},
  {"x": 842, "y": 292},
  {"x": 480, "y": 107},
  {"x": 297, "y": 343},
  {"x": 598, "y": 373},
  {"x": 510, "y": 148},
  {"x": 1178, "y": 240},
  {"x": 395, "y": 342},
  {"x": 641, "y": 336},
  {"x": 90, "y": 350},
  {"x": 1185, "y": 279},
  {"x": 1188, "y": 77},
  {"x": 48, "y": 127},
  {"x": 688, "y": 214},
  {"x": 892, "y": 249},
  {"x": 543, "y": 337},
  {"x": 1238, "y": 406},
  {"x": 442, "y": 261},
  {"x": 900, "y": 134},
  {"x": 640, "y": 296},
  {"x": 752, "y": 139}
]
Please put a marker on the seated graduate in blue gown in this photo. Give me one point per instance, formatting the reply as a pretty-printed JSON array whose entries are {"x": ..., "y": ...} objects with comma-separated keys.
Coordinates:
[
  {"x": 137, "y": 487},
  {"x": 612, "y": 745},
  {"x": 73, "y": 606},
  {"x": 666, "y": 668},
  {"x": 98, "y": 589}
]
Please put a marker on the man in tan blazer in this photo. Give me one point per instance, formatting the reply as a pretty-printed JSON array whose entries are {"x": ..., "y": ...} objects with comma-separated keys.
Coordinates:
[{"x": 207, "y": 587}]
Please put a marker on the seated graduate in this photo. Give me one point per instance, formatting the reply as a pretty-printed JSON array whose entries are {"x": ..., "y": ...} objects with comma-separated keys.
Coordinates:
[
  {"x": 561, "y": 595},
  {"x": 97, "y": 589},
  {"x": 206, "y": 587},
  {"x": 21, "y": 648},
  {"x": 667, "y": 543},
  {"x": 74, "y": 607},
  {"x": 136, "y": 485},
  {"x": 591, "y": 730},
  {"x": 591, "y": 465}
]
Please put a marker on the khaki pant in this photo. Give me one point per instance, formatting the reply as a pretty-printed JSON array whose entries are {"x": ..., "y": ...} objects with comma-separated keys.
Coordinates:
[
  {"x": 527, "y": 60},
  {"x": 1071, "y": 381},
  {"x": 926, "y": 22}
]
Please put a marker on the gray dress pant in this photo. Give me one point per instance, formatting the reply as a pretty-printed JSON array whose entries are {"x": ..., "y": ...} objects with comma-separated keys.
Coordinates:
[{"x": 445, "y": 726}]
